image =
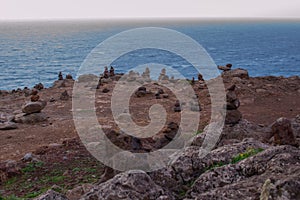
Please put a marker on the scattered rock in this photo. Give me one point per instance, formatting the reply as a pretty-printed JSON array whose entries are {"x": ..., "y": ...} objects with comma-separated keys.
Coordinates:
[
  {"x": 30, "y": 118},
  {"x": 165, "y": 96},
  {"x": 39, "y": 86},
  {"x": 105, "y": 90},
  {"x": 64, "y": 96},
  {"x": 8, "y": 126},
  {"x": 52, "y": 99},
  {"x": 69, "y": 76}
]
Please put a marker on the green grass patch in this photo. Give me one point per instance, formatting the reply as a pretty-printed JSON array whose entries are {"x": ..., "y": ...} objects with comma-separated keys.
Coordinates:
[
  {"x": 248, "y": 153},
  {"x": 31, "y": 167},
  {"x": 215, "y": 165},
  {"x": 198, "y": 132}
]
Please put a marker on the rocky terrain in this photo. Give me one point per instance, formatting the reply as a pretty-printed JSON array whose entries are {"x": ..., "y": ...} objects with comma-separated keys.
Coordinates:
[{"x": 256, "y": 157}]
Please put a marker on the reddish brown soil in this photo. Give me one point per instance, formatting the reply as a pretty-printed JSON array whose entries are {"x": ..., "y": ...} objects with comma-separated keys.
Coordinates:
[{"x": 263, "y": 100}]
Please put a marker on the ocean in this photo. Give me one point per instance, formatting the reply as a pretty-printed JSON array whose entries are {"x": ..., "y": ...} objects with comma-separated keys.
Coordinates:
[{"x": 33, "y": 52}]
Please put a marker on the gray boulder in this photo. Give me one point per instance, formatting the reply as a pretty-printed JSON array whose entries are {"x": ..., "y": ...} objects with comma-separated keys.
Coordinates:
[
  {"x": 34, "y": 107},
  {"x": 131, "y": 185}
]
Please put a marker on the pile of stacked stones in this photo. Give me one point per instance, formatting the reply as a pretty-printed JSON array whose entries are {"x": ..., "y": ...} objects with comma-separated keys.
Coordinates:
[
  {"x": 177, "y": 106},
  {"x": 233, "y": 115},
  {"x": 225, "y": 68},
  {"x": 201, "y": 81},
  {"x": 146, "y": 75},
  {"x": 31, "y": 111},
  {"x": 106, "y": 77},
  {"x": 64, "y": 96},
  {"x": 163, "y": 76},
  {"x": 195, "y": 106},
  {"x": 142, "y": 91}
]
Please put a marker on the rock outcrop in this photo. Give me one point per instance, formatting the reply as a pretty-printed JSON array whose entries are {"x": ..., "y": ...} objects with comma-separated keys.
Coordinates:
[{"x": 133, "y": 185}]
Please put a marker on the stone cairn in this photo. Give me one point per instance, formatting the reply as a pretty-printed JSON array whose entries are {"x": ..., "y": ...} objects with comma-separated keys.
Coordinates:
[
  {"x": 64, "y": 96},
  {"x": 201, "y": 81},
  {"x": 60, "y": 76},
  {"x": 111, "y": 71},
  {"x": 34, "y": 96},
  {"x": 142, "y": 91},
  {"x": 225, "y": 68},
  {"x": 105, "y": 76},
  {"x": 163, "y": 75},
  {"x": 177, "y": 107},
  {"x": 31, "y": 111},
  {"x": 195, "y": 106},
  {"x": 105, "y": 73},
  {"x": 146, "y": 75},
  {"x": 233, "y": 115}
]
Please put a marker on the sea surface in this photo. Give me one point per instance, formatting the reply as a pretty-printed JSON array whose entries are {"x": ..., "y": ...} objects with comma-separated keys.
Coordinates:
[{"x": 33, "y": 52}]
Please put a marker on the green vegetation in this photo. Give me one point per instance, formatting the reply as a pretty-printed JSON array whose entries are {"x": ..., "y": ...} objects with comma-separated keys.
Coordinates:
[
  {"x": 248, "y": 153},
  {"x": 37, "y": 177},
  {"x": 31, "y": 167},
  {"x": 199, "y": 132},
  {"x": 215, "y": 165},
  {"x": 235, "y": 159}
]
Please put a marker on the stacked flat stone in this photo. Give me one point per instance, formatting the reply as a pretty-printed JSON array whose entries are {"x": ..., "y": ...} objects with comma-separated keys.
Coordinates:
[
  {"x": 233, "y": 115},
  {"x": 162, "y": 75}
]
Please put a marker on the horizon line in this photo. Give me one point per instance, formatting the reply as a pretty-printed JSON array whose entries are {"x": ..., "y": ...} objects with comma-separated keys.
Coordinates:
[{"x": 157, "y": 19}]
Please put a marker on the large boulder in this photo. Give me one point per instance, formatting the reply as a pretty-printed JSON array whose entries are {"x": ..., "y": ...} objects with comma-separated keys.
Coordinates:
[
  {"x": 34, "y": 107},
  {"x": 283, "y": 133},
  {"x": 134, "y": 184}
]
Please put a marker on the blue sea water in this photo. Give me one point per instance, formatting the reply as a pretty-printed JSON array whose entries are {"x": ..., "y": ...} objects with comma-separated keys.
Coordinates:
[{"x": 33, "y": 52}]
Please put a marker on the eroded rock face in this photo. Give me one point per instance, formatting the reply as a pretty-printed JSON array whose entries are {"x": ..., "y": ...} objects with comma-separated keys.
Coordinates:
[
  {"x": 245, "y": 179},
  {"x": 133, "y": 185},
  {"x": 187, "y": 165}
]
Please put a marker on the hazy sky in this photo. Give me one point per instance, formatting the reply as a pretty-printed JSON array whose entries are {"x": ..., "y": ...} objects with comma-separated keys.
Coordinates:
[{"x": 69, "y": 9}]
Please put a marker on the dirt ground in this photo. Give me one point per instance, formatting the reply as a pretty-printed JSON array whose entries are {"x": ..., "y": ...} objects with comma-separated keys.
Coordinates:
[
  {"x": 263, "y": 100},
  {"x": 65, "y": 162}
]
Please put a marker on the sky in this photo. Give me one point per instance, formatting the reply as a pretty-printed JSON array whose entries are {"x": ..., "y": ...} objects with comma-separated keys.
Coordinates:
[{"x": 98, "y": 9}]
